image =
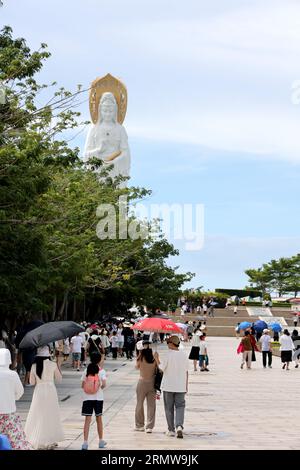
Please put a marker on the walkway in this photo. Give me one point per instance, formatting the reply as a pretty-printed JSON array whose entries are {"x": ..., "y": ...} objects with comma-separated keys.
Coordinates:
[{"x": 226, "y": 408}]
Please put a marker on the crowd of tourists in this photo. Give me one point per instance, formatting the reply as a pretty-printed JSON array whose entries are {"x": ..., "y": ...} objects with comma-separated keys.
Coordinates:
[
  {"x": 252, "y": 341},
  {"x": 41, "y": 368},
  {"x": 205, "y": 307},
  {"x": 88, "y": 351}
]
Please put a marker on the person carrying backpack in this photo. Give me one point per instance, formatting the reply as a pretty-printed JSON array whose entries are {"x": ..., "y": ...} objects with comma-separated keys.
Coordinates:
[{"x": 93, "y": 381}]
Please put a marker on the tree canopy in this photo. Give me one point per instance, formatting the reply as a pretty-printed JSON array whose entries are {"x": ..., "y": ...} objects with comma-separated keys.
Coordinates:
[{"x": 281, "y": 276}]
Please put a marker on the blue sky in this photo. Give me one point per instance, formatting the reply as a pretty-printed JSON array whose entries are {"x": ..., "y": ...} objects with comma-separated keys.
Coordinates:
[{"x": 210, "y": 116}]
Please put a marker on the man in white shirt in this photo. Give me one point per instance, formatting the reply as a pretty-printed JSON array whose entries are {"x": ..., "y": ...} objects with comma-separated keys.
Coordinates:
[
  {"x": 76, "y": 344},
  {"x": 85, "y": 337},
  {"x": 174, "y": 386},
  {"x": 266, "y": 349}
]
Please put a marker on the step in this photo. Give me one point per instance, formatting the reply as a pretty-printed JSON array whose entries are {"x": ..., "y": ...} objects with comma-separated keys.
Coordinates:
[{"x": 220, "y": 331}]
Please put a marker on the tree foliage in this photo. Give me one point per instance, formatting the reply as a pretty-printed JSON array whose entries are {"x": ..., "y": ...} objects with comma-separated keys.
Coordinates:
[{"x": 282, "y": 276}]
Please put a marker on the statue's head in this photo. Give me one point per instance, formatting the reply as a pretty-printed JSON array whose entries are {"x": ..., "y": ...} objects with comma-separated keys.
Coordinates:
[{"x": 108, "y": 109}]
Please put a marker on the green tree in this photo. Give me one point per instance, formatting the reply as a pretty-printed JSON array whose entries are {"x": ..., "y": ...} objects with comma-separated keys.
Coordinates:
[
  {"x": 282, "y": 276},
  {"x": 260, "y": 278}
]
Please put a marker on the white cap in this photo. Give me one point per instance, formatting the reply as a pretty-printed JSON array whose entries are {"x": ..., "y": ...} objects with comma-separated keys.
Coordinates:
[{"x": 43, "y": 351}]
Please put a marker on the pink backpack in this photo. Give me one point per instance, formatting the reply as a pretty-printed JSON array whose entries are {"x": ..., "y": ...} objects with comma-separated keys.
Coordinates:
[{"x": 91, "y": 384}]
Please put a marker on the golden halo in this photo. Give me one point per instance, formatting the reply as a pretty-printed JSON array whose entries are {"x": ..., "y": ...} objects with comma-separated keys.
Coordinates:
[{"x": 105, "y": 84}]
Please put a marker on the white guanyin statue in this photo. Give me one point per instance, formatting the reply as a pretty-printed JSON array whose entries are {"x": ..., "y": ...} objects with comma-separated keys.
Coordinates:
[{"x": 107, "y": 138}]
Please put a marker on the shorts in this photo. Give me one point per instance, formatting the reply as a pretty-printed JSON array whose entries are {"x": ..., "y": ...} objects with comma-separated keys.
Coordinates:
[
  {"x": 76, "y": 356},
  {"x": 89, "y": 406},
  {"x": 120, "y": 344},
  {"x": 203, "y": 360}
]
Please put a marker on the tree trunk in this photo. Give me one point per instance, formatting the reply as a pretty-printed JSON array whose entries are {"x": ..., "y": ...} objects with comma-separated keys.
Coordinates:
[
  {"x": 54, "y": 307},
  {"x": 66, "y": 307},
  {"x": 63, "y": 305},
  {"x": 74, "y": 309}
]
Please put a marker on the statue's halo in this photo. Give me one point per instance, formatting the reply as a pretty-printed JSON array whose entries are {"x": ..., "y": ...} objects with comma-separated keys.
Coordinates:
[{"x": 108, "y": 83}]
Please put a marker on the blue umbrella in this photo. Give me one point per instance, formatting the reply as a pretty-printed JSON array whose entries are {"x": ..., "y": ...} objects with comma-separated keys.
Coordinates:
[
  {"x": 260, "y": 325},
  {"x": 275, "y": 327},
  {"x": 244, "y": 325}
]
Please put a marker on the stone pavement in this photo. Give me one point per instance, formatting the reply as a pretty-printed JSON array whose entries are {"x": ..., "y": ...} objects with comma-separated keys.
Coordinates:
[{"x": 226, "y": 408}]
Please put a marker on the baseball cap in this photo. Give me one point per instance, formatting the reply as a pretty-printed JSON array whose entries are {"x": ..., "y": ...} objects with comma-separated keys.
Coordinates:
[{"x": 174, "y": 340}]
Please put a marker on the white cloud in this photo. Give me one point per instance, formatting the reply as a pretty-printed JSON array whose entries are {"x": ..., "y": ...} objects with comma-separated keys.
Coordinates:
[
  {"x": 215, "y": 74},
  {"x": 257, "y": 35},
  {"x": 259, "y": 132},
  {"x": 249, "y": 54}
]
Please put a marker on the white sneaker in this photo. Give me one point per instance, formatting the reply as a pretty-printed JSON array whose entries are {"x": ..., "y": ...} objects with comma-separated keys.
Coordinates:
[
  {"x": 170, "y": 433},
  {"x": 139, "y": 429},
  {"x": 148, "y": 430},
  {"x": 179, "y": 432}
]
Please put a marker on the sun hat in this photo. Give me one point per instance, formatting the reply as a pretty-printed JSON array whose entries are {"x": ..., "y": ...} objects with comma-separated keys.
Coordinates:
[
  {"x": 266, "y": 330},
  {"x": 174, "y": 340}
]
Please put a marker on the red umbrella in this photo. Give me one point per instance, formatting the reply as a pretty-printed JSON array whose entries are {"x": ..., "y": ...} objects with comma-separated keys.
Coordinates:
[{"x": 157, "y": 325}]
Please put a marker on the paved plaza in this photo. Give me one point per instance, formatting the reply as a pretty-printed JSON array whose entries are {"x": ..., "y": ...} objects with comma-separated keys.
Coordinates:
[{"x": 226, "y": 408}]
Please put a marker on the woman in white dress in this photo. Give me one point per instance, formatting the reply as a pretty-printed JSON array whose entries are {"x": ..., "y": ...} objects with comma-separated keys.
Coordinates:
[{"x": 43, "y": 426}]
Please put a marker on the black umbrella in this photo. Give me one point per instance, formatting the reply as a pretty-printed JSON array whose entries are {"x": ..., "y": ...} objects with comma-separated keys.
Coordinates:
[
  {"x": 26, "y": 328},
  {"x": 49, "y": 332}
]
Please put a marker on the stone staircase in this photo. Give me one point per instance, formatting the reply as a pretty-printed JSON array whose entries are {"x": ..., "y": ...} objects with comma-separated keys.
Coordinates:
[{"x": 224, "y": 321}]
